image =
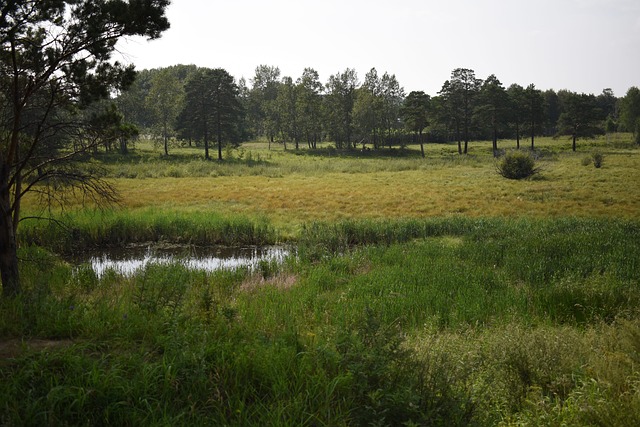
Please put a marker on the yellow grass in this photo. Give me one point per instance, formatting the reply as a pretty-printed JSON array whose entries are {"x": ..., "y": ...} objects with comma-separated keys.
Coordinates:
[
  {"x": 436, "y": 186},
  {"x": 291, "y": 189}
]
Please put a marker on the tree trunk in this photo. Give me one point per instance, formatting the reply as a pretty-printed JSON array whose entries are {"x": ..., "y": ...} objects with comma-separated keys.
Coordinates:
[
  {"x": 165, "y": 134},
  {"x": 421, "y": 144},
  {"x": 8, "y": 246},
  {"x": 533, "y": 135}
]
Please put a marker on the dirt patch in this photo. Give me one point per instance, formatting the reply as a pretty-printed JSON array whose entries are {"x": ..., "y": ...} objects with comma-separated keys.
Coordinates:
[
  {"x": 10, "y": 348},
  {"x": 280, "y": 281}
]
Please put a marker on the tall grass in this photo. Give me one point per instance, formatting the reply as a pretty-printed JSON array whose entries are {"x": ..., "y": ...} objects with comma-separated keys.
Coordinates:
[
  {"x": 442, "y": 322},
  {"x": 77, "y": 230}
]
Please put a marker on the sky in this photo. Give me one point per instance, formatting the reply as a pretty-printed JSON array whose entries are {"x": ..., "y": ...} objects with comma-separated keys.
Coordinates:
[{"x": 579, "y": 45}]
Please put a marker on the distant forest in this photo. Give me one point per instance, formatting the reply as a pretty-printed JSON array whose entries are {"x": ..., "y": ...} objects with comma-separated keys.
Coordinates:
[{"x": 209, "y": 107}]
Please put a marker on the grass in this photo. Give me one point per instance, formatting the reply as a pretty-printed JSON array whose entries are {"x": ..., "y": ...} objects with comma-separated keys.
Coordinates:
[
  {"x": 424, "y": 292},
  {"x": 290, "y": 188}
]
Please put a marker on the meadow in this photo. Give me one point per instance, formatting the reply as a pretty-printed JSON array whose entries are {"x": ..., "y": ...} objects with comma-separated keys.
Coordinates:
[{"x": 423, "y": 292}]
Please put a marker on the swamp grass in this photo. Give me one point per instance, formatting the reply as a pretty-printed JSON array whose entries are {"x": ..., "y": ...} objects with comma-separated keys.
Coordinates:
[
  {"x": 79, "y": 230},
  {"x": 453, "y": 321}
]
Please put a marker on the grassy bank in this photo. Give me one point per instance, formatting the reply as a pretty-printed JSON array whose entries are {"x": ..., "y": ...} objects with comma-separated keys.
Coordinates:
[
  {"x": 445, "y": 321},
  {"x": 79, "y": 230}
]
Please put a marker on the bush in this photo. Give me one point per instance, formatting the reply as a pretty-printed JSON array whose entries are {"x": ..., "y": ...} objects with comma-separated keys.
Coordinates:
[
  {"x": 598, "y": 159},
  {"x": 517, "y": 165}
]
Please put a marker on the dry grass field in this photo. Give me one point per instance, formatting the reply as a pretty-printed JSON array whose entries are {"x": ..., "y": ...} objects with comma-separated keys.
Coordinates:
[{"x": 291, "y": 188}]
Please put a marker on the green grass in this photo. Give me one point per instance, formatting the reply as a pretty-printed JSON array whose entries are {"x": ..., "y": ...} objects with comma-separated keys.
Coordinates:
[
  {"x": 78, "y": 230},
  {"x": 424, "y": 292},
  {"x": 444, "y": 321}
]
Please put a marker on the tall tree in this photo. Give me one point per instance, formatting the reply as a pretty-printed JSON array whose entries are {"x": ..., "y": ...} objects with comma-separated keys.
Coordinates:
[
  {"x": 165, "y": 99},
  {"x": 459, "y": 94},
  {"x": 492, "y": 107},
  {"x": 581, "y": 117},
  {"x": 392, "y": 97},
  {"x": 263, "y": 93},
  {"x": 534, "y": 111},
  {"x": 551, "y": 111},
  {"x": 339, "y": 102},
  {"x": 286, "y": 106},
  {"x": 415, "y": 115},
  {"x": 630, "y": 112},
  {"x": 517, "y": 107},
  {"x": 607, "y": 103},
  {"x": 212, "y": 107},
  {"x": 55, "y": 59},
  {"x": 310, "y": 106},
  {"x": 368, "y": 108}
]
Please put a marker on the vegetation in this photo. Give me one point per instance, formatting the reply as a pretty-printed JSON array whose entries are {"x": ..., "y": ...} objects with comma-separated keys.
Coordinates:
[
  {"x": 395, "y": 309},
  {"x": 424, "y": 289},
  {"x": 55, "y": 63},
  {"x": 517, "y": 165},
  {"x": 449, "y": 321}
]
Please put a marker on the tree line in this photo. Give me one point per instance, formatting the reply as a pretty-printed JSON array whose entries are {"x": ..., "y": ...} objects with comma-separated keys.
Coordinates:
[{"x": 208, "y": 106}]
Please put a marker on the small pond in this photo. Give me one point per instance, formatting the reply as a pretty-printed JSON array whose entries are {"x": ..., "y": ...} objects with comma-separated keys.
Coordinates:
[{"x": 128, "y": 260}]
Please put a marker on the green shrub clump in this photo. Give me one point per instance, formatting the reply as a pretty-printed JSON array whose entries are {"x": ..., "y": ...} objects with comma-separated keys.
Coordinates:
[
  {"x": 598, "y": 159},
  {"x": 517, "y": 165}
]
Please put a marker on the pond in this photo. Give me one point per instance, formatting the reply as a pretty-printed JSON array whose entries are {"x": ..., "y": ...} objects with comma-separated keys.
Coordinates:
[{"x": 131, "y": 259}]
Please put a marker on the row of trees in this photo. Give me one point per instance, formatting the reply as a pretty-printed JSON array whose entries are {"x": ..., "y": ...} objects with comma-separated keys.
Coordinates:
[{"x": 200, "y": 104}]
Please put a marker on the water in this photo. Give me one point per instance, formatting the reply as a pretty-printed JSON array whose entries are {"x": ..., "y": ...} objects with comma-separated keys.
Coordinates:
[{"x": 127, "y": 261}]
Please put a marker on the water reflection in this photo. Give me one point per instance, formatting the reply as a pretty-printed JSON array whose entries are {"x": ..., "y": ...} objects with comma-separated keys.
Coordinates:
[{"x": 128, "y": 261}]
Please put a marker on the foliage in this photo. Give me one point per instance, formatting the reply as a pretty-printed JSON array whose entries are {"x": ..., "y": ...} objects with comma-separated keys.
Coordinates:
[
  {"x": 55, "y": 61},
  {"x": 533, "y": 110},
  {"x": 598, "y": 158},
  {"x": 517, "y": 165},
  {"x": 212, "y": 109},
  {"x": 459, "y": 322},
  {"x": 339, "y": 102},
  {"x": 630, "y": 112},
  {"x": 581, "y": 117},
  {"x": 492, "y": 107},
  {"x": 165, "y": 99},
  {"x": 459, "y": 95},
  {"x": 415, "y": 114}
]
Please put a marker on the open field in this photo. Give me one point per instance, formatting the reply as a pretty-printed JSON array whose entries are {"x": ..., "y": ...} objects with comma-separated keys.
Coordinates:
[
  {"x": 290, "y": 188},
  {"x": 425, "y": 292}
]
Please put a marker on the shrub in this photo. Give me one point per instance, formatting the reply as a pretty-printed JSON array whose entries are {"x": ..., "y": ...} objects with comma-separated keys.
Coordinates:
[
  {"x": 517, "y": 165},
  {"x": 598, "y": 159}
]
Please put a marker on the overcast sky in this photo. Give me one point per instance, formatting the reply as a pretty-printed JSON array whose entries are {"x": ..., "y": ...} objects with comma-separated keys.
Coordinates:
[{"x": 580, "y": 45}]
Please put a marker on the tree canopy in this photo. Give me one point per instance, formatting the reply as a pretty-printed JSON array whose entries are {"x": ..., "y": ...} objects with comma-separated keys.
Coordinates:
[{"x": 56, "y": 60}]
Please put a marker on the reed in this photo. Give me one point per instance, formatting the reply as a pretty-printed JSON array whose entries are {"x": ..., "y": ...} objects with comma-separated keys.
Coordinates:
[{"x": 81, "y": 229}]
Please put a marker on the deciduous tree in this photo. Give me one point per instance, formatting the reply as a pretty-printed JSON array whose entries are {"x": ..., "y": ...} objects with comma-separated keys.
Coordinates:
[
  {"x": 339, "y": 102},
  {"x": 630, "y": 112},
  {"x": 165, "y": 100},
  {"x": 580, "y": 118},
  {"x": 310, "y": 106},
  {"x": 415, "y": 114}
]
